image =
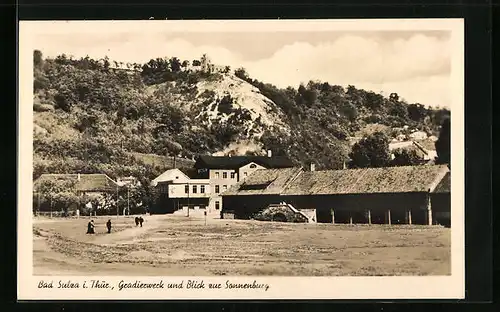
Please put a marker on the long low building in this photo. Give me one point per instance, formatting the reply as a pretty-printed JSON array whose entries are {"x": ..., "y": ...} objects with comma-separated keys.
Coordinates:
[{"x": 393, "y": 195}]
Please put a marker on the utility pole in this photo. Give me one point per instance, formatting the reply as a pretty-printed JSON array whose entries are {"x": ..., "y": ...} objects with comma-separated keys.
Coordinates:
[
  {"x": 189, "y": 187},
  {"x": 38, "y": 204},
  {"x": 128, "y": 200},
  {"x": 117, "y": 209}
]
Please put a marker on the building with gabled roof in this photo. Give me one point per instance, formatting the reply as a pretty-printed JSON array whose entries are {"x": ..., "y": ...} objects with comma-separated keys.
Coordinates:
[
  {"x": 74, "y": 187},
  {"x": 170, "y": 175},
  {"x": 222, "y": 172},
  {"x": 80, "y": 183},
  {"x": 369, "y": 195}
]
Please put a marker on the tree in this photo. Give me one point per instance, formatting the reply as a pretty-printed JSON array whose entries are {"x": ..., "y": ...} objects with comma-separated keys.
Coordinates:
[
  {"x": 175, "y": 64},
  {"x": 106, "y": 63},
  {"x": 57, "y": 194},
  {"x": 371, "y": 151},
  {"x": 406, "y": 157},
  {"x": 37, "y": 59},
  {"x": 443, "y": 143},
  {"x": 416, "y": 112},
  {"x": 226, "y": 105},
  {"x": 394, "y": 97},
  {"x": 205, "y": 63},
  {"x": 241, "y": 73},
  {"x": 399, "y": 110}
]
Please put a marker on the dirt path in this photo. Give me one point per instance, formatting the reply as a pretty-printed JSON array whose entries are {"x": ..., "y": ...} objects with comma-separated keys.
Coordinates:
[{"x": 130, "y": 235}]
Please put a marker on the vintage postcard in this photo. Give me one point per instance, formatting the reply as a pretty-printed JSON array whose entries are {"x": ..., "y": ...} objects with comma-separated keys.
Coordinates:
[{"x": 237, "y": 159}]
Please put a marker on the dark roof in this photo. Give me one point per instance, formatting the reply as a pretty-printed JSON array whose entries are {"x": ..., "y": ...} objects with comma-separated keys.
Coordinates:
[
  {"x": 405, "y": 179},
  {"x": 445, "y": 185},
  {"x": 235, "y": 162},
  {"x": 96, "y": 182}
]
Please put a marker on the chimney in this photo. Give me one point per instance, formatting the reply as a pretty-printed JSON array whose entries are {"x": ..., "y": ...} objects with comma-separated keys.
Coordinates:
[
  {"x": 312, "y": 166},
  {"x": 269, "y": 153},
  {"x": 344, "y": 166}
]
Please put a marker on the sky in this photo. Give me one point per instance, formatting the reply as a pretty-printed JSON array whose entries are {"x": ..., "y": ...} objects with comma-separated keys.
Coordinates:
[{"x": 414, "y": 64}]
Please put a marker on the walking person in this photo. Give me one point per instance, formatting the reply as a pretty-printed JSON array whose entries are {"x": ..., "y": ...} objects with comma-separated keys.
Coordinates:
[
  {"x": 108, "y": 225},
  {"x": 90, "y": 227},
  {"x": 141, "y": 220},
  {"x": 136, "y": 221}
]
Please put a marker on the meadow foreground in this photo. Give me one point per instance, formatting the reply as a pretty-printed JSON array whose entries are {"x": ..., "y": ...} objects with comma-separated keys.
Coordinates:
[{"x": 177, "y": 245}]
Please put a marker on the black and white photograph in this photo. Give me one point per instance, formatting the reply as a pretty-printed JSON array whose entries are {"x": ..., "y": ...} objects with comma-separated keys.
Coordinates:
[{"x": 241, "y": 154}]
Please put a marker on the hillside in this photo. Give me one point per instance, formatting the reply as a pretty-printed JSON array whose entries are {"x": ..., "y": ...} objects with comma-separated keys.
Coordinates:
[{"x": 90, "y": 116}]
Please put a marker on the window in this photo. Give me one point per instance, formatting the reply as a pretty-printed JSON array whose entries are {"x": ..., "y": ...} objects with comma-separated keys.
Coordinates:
[
  {"x": 217, "y": 189},
  {"x": 202, "y": 189},
  {"x": 253, "y": 166},
  {"x": 216, "y": 175},
  {"x": 195, "y": 189},
  {"x": 176, "y": 177},
  {"x": 186, "y": 189},
  {"x": 245, "y": 174},
  {"x": 224, "y": 175},
  {"x": 224, "y": 188},
  {"x": 233, "y": 175},
  {"x": 217, "y": 205}
]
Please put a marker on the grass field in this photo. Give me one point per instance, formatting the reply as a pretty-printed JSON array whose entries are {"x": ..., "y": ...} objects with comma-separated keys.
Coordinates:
[{"x": 176, "y": 245}]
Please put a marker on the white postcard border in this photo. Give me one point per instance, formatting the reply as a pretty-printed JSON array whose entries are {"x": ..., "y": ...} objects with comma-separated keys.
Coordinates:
[{"x": 418, "y": 287}]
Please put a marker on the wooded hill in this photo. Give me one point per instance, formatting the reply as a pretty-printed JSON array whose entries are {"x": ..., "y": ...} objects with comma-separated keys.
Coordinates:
[{"x": 104, "y": 116}]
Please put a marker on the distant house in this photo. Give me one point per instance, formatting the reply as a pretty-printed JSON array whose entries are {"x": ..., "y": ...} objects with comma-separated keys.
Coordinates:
[
  {"x": 373, "y": 195},
  {"x": 81, "y": 184},
  {"x": 131, "y": 182},
  {"x": 418, "y": 135},
  {"x": 425, "y": 155}
]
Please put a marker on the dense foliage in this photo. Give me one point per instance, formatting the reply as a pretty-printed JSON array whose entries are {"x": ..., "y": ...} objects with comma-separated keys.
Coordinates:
[
  {"x": 443, "y": 144},
  {"x": 372, "y": 151},
  {"x": 323, "y": 116}
]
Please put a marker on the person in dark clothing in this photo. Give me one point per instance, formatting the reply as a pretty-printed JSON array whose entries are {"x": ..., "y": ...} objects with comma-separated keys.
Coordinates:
[
  {"x": 141, "y": 220},
  {"x": 108, "y": 225},
  {"x": 90, "y": 227},
  {"x": 136, "y": 221}
]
